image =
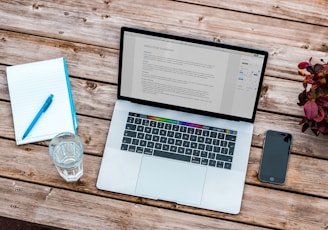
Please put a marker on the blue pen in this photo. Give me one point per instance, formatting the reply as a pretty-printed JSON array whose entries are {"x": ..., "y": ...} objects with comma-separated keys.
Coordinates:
[{"x": 37, "y": 117}]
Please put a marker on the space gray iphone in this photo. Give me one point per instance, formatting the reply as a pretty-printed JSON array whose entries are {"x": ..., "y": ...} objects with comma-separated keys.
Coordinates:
[{"x": 274, "y": 163}]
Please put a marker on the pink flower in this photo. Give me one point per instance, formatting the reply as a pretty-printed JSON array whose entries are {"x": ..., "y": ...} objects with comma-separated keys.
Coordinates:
[{"x": 303, "y": 65}]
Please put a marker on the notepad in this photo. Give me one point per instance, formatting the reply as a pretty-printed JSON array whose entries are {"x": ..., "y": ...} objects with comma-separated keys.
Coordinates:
[{"x": 29, "y": 86}]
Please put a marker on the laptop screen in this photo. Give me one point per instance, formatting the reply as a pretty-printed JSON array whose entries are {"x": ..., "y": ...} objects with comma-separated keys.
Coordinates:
[{"x": 189, "y": 74}]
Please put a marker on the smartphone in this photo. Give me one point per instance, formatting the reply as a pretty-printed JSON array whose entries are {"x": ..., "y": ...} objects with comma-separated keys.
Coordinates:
[{"x": 274, "y": 162}]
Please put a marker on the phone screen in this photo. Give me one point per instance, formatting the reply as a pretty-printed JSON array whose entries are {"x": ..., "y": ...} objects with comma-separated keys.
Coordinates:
[{"x": 276, "y": 150}]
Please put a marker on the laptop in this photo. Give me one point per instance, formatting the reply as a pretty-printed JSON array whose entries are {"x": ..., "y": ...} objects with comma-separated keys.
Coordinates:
[{"x": 182, "y": 125}]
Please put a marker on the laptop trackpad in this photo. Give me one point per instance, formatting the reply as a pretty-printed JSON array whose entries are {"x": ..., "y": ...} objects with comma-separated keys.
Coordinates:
[{"x": 171, "y": 180}]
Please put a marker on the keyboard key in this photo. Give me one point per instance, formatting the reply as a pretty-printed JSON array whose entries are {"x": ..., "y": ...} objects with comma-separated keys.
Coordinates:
[
  {"x": 128, "y": 133},
  {"x": 195, "y": 160},
  {"x": 143, "y": 143},
  {"x": 206, "y": 133},
  {"x": 166, "y": 147},
  {"x": 171, "y": 155},
  {"x": 193, "y": 145},
  {"x": 216, "y": 142},
  {"x": 198, "y": 131},
  {"x": 135, "y": 141},
  {"x": 200, "y": 139},
  {"x": 208, "y": 140},
  {"x": 158, "y": 146},
  {"x": 196, "y": 153},
  {"x": 188, "y": 151},
  {"x": 140, "y": 136},
  {"x": 224, "y": 143},
  {"x": 170, "y": 134},
  {"x": 216, "y": 149},
  {"x": 132, "y": 148},
  {"x": 127, "y": 140},
  {"x": 168, "y": 126},
  {"x": 147, "y": 130},
  {"x": 130, "y": 127},
  {"x": 139, "y": 149},
  {"x": 178, "y": 142},
  {"x": 162, "y": 132},
  {"x": 223, "y": 158},
  {"x": 181, "y": 150},
  {"x": 221, "y": 135},
  {"x": 148, "y": 137},
  {"x": 140, "y": 128},
  {"x": 155, "y": 131},
  {"x": 213, "y": 134},
  {"x": 185, "y": 136},
  {"x": 191, "y": 130},
  {"x": 204, "y": 161},
  {"x": 230, "y": 138},
  {"x": 145, "y": 122},
  {"x": 173, "y": 148},
  {"x": 186, "y": 144},
  {"x": 124, "y": 147},
  {"x": 212, "y": 163},
  {"x": 224, "y": 150},
  {"x": 130, "y": 119},
  {"x": 170, "y": 141},
  {"x": 175, "y": 127},
  {"x": 160, "y": 125},
  {"x": 201, "y": 146},
  {"x": 163, "y": 139},
  {"x": 193, "y": 137},
  {"x": 137, "y": 121},
  {"x": 203, "y": 154},
  {"x": 211, "y": 155},
  {"x": 227, "y": 165},
  {"x": 155, "y": 138},
  {"x": 150, "y": 144},
  {"x": 219, "y": 164},
  {"x": 152, "y": 124},
  {"x": 183, "y": 129},
  {"x": 148, "y": 151},
  {"x": 209, "y": 148},
  {"x": 178, "y": 135}
]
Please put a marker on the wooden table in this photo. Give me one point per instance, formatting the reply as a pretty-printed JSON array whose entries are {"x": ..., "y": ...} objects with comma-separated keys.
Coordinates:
[{"x": 87, "y": 34}]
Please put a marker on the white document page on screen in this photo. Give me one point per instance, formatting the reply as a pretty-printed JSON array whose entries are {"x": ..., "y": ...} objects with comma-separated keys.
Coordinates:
[{"x": 178, "y": 73}]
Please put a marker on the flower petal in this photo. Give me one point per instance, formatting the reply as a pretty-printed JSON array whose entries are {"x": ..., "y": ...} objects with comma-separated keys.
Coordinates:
[
  {"x": 303, "y": 65},
  {"x": 310, "y": 110}
]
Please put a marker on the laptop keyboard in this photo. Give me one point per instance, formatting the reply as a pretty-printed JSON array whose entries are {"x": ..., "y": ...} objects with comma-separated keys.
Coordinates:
[{"x": 194, "y": 143}]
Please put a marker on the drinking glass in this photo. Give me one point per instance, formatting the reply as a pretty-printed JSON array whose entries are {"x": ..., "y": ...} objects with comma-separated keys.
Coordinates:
[{"x": 66, "y": 151}]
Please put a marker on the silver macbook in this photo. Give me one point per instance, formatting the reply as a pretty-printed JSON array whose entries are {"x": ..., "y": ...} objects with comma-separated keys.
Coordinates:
[{"x": 182, "y": 126}]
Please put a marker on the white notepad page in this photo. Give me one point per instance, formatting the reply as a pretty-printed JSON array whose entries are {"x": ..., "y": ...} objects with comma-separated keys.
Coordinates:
[{"x": 29, "y": 87}]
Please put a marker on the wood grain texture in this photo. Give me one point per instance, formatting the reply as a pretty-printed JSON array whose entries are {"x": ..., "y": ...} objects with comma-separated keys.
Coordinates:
[
  {"x": 87, "y": 34},
  {"x": 60, "y": 208},
  {"x": 100, "y": 23},
  {"x": 313, "y": 12},
  {"x": 31, "y": 163}
]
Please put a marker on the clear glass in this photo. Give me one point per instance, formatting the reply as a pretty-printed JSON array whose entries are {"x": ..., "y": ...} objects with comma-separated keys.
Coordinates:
[{"x": 66, "y": 151}]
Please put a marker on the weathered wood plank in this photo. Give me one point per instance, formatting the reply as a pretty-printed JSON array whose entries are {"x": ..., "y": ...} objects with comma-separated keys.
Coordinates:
[
  {"x": 32, "y": 163},
  {"x": 303, "y": 143},
  {"x": 304, "y": 174},
  {"x": 94, "y": 131},
  {"x": 314, "y": 12},
  {"x": 277, "y": 95},
  {"x": 61, "y": 208},
  {"x": 84, "y": 61},
  {"x": 100, "y": 26}
]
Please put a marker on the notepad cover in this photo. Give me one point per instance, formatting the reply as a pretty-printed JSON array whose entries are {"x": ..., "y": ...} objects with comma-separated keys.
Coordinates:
[{"x": 29, "y": 86}]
